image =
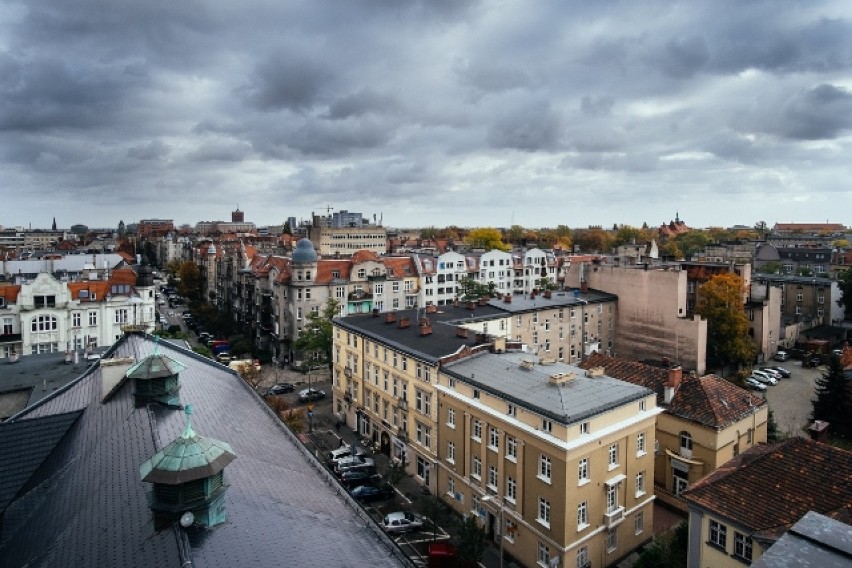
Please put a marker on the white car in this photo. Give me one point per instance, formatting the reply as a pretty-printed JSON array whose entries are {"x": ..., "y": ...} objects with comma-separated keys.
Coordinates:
[
  {"x": 764, "y": 377},
  {"x": 754, "y": 384},
  {"x": 401, "y": 521}
]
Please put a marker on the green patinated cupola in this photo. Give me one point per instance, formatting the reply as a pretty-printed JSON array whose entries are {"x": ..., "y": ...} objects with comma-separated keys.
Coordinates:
[
  {"x": 188, "y": 480},
  {"x": 155, "y": 379}
]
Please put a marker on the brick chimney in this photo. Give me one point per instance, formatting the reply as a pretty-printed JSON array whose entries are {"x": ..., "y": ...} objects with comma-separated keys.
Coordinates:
[
  {"x": 425, "y": 326},
  {"x": 431, "y": 309},
  {"x": 461, "y": 332},
  {"x": 819, "y": 431},
  {"x": 404, "y": 322},
  {"x": 390, "y": 317},
  {"x": 672, "y": 384},
  {"x": 507, "y": 298},
  {"x": 584, "y": 287}
]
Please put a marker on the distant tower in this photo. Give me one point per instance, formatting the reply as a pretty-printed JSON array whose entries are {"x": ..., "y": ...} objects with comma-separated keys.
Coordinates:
[
  {"x": 54, "y": 224},
  {"x": 121, "y": 229},
  {"x": 238, "y": 216}
]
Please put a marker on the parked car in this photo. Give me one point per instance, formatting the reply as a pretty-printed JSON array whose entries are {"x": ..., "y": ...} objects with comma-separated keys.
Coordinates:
[
  {"x": 355, "y": 477},
  {"x": 345, "y": 451},
  {"x": 366, "y": 493},
  {"x": 280, "y": 388},
  {"x": 401, "y": 521},
  {"x": 771, "y": 372},
  {"x": 811, "y": 361},
  {"x": 311, "y": 394},
  {"x": 764, "y": 377},
  {"x": 782, "y": 371},
  {"x": 354, "y": 463},
  {"x": 754, "y": 384},
  {"x": 782, "y": 356}
]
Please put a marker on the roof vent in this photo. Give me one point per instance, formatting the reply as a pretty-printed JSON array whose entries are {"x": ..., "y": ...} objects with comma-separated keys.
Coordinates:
[
  {"x": 526, "y": 364},
  {"x": 156, "y": 379},
  {"x": 188, "y": 480},
  {"x": 595, "y": 372},
  {"x": 562, "y": 378}
]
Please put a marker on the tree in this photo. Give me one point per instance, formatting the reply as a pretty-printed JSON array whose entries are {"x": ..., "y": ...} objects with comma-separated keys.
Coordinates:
[
  {"x": 486, "y": 238},
  {"x": 316, "y": 335},
  {"x": 190, "y": 280},
  {"x": 471, "y": 545},
  {"x": 593, "y": 239},
  {"x": 720, "y": 302},
  {"x": 833, "y": 402},
  {"x": 470, "y": 289},
  {"x": 250, "y": 374},
  {"x": 772, "y": 267},
  {"x": 396, "y": 473},
  {"x": 692, "y": 242},
  {"x": 844, "y": 281},
  {"x": 515, "y": 234},
  {"x": 667, "y": 550}
]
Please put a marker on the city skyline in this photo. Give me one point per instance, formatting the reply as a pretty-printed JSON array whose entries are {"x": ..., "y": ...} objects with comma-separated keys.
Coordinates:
[{"x": 426, "y": 113}]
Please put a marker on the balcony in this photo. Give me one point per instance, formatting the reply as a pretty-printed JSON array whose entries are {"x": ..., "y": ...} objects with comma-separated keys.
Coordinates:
[
  {"x": 360, "y": 295},
  {"x": 614, "y": 518},
  {"x": 402, "y": 404}
]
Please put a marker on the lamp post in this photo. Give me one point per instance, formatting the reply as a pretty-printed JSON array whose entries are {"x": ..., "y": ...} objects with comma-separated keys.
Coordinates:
[{"x": 499, "y": 502}]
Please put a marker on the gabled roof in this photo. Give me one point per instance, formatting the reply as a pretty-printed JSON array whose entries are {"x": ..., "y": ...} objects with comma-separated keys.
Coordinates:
[
  {"x": 713, "y": 402},
  {"x": 768, "y": 488},
  {"x": 364, "y": 255},
  {"x": 327, "y": 268},
  {"x": 648, "y": 376},
  {"x": 87, "y": 505},
  {"x": 24, "y": 445}
]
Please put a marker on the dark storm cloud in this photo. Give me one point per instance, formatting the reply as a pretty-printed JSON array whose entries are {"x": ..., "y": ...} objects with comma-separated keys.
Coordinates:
[{"x": 424, "y": 107}]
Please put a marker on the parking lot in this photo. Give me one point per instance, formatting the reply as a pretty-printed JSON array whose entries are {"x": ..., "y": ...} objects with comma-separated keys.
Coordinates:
[{"x": 790, "y": 399}]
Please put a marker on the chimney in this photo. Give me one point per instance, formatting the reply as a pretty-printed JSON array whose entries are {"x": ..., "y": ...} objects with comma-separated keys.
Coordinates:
[
  {"x": 668, "y": 394},
  {"x": 390, "y": 317},
  {"x": 461, "y": 332},
  {"x": 431, "y": 309},
  {"x": 404, "y": 322},
  {"x": 483, "y": 301},
  {"x": 375, "y": 312},
  {"x": 584, "y": 287},
  {"x": 675, "y": 377},
  {"x": 471, "y": 305},
  {"x": 499, "y": 345},
  {"x": 561, "y": 378},
  {"x": 425, "y": 326},
  {"x": 595, "y": 372},
  {"x": 819, "y": 431},
  {"x": 507, "y": 298}
]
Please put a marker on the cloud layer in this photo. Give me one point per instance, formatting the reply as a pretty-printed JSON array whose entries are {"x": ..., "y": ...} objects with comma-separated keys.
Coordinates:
[{"x": 424, "y": 112}]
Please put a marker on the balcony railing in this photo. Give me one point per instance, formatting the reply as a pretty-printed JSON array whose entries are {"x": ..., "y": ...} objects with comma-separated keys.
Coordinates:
[{"x": 614, "y": 518}]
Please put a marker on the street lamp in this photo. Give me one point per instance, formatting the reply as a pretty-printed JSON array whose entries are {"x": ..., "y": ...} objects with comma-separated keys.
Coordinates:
[{"x": 499, "y": 502}]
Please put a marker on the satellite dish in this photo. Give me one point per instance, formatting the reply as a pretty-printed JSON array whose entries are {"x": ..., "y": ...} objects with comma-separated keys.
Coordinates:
[{"x": 187, "y": 519}]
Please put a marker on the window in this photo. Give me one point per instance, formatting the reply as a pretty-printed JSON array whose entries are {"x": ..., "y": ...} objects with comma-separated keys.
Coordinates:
[
  {"x": 611, "y": 540},
  {"x": 582, "y": 515},
  {"x": 44, "y": 301},
  {"x": 611, "y": 498},
  {"x": 546, "y": 425},
  {"x": 584, "y": 427},
  {"x": 493, "y": 439},
  {"x": 685, "y": 444},
  {"x": 76, "y": 319},
  {"x": 492, "y": 477},
  {"x": 640, "y": 444},
  {"x": 639, "y": 522},
  {"x": 583, "y": 557},
  {"x": 422, "y": 401},
  {"x": 476, "y": 393},
  {"x": 451, "y": 452},
  {"x": 422, "y": 469},
  {"x": 511, "y": 448},
  {"x": 544, "y": 468},
  {"x": 543, "y": 555},
  {"x": 451, "y": 486},
  {"x": 583, "y": 471},
  {"x": 477, "y": 430},
  {"x": 511, "y": 489},
  {"x": 613, "y": 456},
  {"x": 544, "y": 512},
  {"x": 680, "y": 481},
  {"x": 44, "y": 323},
  {"x": 640, "y": 483},
  {"x": 451, "y": 417},
  {"x": 742, "y": 546},
  {"x": 512, "y": 410},
  {"x": 718, "y": 534},
  {"x": 476, "y": 470},
  {"x": 424, "y": 434}
]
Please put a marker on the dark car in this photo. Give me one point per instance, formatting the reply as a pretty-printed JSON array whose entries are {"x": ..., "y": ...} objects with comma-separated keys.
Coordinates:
[
  {"x": 782, "y": 371},
  {"x": 356, "y": 477},
  {"x": 280, "y": 388},
  {"x": 371, "y": 493}
]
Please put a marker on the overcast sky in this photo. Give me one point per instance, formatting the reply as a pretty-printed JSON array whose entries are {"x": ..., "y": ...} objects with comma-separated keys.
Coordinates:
[{"x": 436, "y": 112}]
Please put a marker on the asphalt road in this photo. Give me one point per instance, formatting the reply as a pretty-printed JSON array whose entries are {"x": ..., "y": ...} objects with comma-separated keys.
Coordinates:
[{"x": 790, "y": 399}]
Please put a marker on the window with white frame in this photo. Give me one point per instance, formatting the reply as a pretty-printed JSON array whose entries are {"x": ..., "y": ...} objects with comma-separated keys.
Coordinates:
[
  {"x": 424, "y": 434},
  {"x": 583, "y": 557},
  {"x": 476, "y": 467},
  {"x": 451, "y": 417},
  {"x": 545, "y": 467},
  {"x": 543, "y": 555},
  {"x": 584, "y": 427},
  {"x": 583, "y": 471},
  {"x": 613, "y": 456},
  {"x": 640, "y": 483},
  {"x": 611, "y": 498},
  {"x": 511, "y": 448},
  {"x": 640, "y": 444},
  {"x": 492, "y": 477},
  {"x": 512, "y": 410},
  {"x": 718, "y": 534},
  {"x": 546, "y": 425},
  {"x": 543, "y": 512},
  {"x": 493, "y": 438},
  {"x": 451, "y": 452},
  {"x": 742, "y": 546},
  {"x": 76, "y": 319},
  {"x": 639, "y": 522},
  {"x": 511, "y": 489},
  {"x": 451, "y": 486},
  {"x": 611, "y": 540},
  {"x": 476, "y": 428},
  {"x": 582, "y": 515}
]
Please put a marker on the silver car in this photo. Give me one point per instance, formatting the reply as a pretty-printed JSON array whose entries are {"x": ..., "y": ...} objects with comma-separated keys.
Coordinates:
[{"x": 401, "y": 521}]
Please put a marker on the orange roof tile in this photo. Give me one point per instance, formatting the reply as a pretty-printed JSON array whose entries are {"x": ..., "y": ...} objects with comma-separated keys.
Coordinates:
[
  {"x": 364, "y": 255},
  {"x": 9, "y": 292},
  {"x": 712, "y": 401}
]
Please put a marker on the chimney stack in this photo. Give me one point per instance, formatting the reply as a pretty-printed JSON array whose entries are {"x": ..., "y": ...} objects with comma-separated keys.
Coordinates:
[
  {"x": 390, "y": 317},
  {"x": 584, "y": 287},
  {"x": 404, "y": 322},
  {"x": 425, "y": 326},
  {"x": 819, "y": 431}
]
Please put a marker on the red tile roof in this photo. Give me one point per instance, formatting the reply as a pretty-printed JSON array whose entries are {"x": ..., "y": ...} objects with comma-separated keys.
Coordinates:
[
  {"x": 648, "y": 376},
  {"x": 768, "y": 488},
  {"x": 712, "y": 401},
  {"x": 10, "y": 292},
  {"x": 364, "y": 255},
  {"x": 325, "y": 268}
]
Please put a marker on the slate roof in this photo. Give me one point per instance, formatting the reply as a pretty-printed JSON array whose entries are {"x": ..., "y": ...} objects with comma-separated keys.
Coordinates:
[
  {"x": 766, "y": 489},
  {"x": 816, "y": 541},
  {"x": 87, "y": 506},
  {"x": 24, "y": 445}
]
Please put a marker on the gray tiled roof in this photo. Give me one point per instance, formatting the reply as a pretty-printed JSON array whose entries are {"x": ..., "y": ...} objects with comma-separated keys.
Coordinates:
[
  {"x": 87, "y": 506},
  {"x": 816, "y": 541},
  {"x": 24, "y": 445},
  {"x": 576, "y": 400}
]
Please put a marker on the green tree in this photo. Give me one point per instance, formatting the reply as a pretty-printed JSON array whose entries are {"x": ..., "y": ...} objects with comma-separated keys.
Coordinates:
[
  {"x": 470, "y": 289},
  {"x": 692, "y": 242},
  {"x": 396, "y": 473},
  {"x": 593, "y": 240},
  {"x": 772, "y": 267},
  {"x": 626, "y": 235},
  {"x": 833, "y": 402},
  {"x": 471, "y": 544},
  {"x": 720, "y": 302},
  {"x": 515, "y": 234},
  {"x": 316, "y": 336},
  {"x": 486, "y": 238},
  {"x": 667, "y": 550},
  {"x": 844, "y": 281}
]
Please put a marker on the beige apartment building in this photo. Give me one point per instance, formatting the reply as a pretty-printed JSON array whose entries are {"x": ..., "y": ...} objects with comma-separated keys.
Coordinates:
[{"x": 556, "y": 461}]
